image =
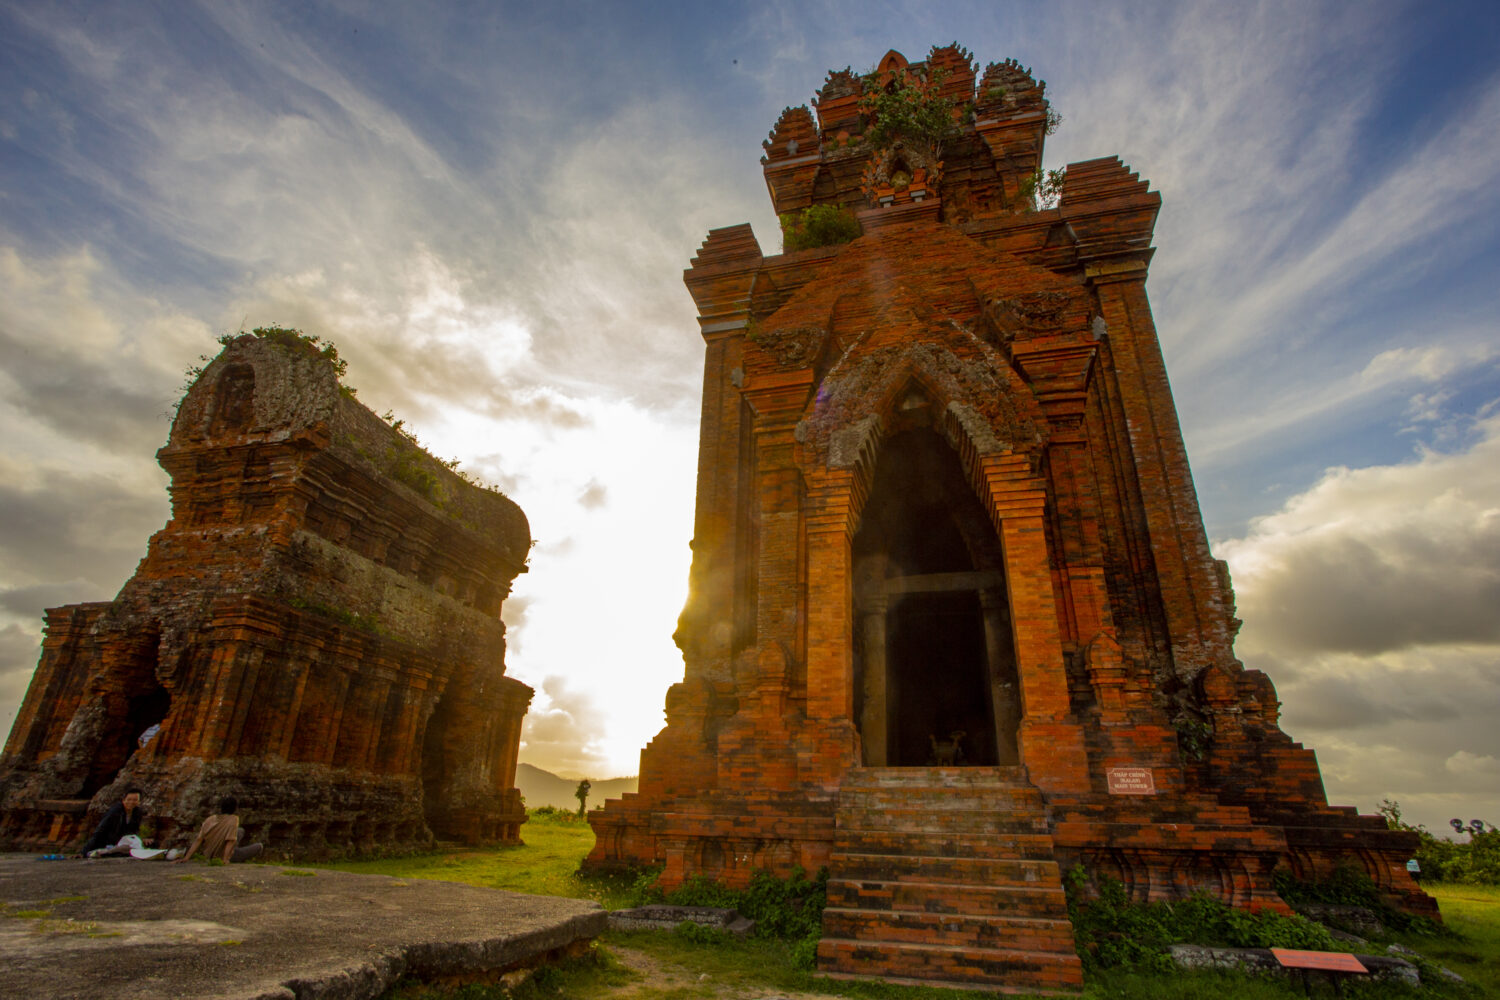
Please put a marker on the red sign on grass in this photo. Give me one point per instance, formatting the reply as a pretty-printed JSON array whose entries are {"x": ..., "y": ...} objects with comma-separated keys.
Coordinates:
[{"x": 1333, "y": 961}]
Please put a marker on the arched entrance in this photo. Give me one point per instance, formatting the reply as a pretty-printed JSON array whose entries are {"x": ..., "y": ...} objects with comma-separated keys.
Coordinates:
[
  {"x": 134, "y": 706},
  {"x": 933, "y": 651}
]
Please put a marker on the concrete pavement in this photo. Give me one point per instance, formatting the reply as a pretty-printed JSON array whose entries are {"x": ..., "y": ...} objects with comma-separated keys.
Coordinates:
[{"x": 150, "y": 929}]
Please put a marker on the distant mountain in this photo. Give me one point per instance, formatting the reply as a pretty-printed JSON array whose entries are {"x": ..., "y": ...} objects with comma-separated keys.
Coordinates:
[{"x": 543, "y": 788}]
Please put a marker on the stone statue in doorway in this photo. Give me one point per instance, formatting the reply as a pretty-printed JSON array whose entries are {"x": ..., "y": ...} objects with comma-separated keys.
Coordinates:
[{"x": 946, "y": 753}]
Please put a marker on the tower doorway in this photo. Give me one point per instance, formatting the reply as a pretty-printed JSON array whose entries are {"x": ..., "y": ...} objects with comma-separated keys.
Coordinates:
[{"x": 934, "y": 659}]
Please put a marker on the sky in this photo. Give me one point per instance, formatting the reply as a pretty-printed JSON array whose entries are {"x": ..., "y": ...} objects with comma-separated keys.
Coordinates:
[{"x": 488, "y": 208}]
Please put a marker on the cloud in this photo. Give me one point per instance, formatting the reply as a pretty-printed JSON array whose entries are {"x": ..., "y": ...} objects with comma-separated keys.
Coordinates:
[
  {"x": 64, "y": 525},
  {"x": 564, "y": 730},
  {"x": 513, "y": 613},
  {"x": 1470, "y": 766},
  {"x": 19, "y": 650},
  {"x": 1361, "y": 695},
  {"x": 86, "y": 358},
  {"x": 30, "y": 602},
  {"x": 594, "y": 495},
  {"x": 1379, "y": 559},
  {"x": 1370, "y": 600}
]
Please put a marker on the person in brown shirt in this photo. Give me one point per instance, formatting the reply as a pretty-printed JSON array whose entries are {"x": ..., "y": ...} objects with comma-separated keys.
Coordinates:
[{"x": 220, "y": 834}]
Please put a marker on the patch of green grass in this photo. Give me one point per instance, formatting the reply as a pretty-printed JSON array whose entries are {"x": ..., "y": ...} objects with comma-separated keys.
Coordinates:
[
  {"x": 298, "y": 872},
  {"x": 1115, "y": 984},
  {"x": 595, "y": 974},
  {"x": 39, "y": 910},
  {"x": 1471, "y": 948},
  {"x": 546, "y": 864},
  {"x": 65, "y": 926}
]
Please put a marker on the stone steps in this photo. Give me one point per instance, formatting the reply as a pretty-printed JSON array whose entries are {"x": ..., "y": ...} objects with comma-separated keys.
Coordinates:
[
  {"x": 946, "y": 875},
  {"x": 927, "y": 778},
  {"x": 952, "y": 966},
  {"x": 963, "y": 817},
  {"x": 947, "y": 868},
  {"x": 968, "y": 798},
  {"x": 955, "y": 929},
  {"x": 947, "y": 897},
  {"x": 1032, "y": 846}
]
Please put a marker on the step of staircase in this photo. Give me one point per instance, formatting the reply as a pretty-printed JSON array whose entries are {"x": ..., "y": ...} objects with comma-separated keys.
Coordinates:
[
  {"x": 916, "y": 843},
  {"x": 958, "y": 817},
  {"x": 948, "y": 868},
  {"x": 946, "y": 876},
  {"x": 956, "y": 929},
  {"x": 1000, "y": 968},
  {"x": 947, "y": 897},
  {"x": 933, "y": 777}
]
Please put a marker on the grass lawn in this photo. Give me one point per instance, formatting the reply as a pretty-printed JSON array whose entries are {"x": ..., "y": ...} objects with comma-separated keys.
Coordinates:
[
  {"x": 547, "y": 864},
  {"x": 1472, "y": 913},
  {"x": 665, "y": 966}
]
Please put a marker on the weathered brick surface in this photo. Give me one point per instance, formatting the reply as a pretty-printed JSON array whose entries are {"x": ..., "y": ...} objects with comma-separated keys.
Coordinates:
[
  {"x": 316, "y": 630},
  {"x": 1017, "y": 346}
]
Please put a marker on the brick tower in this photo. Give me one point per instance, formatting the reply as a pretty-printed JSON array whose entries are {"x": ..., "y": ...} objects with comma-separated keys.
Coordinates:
[
  {"x": 953, "y": 622},
  {"x": 316, "y": 631}
]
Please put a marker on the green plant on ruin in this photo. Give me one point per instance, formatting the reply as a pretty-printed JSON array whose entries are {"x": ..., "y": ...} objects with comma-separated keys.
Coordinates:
[
  {"x": 287, "y": 339},
  {"x": 1042, "y": 189},
  {"x": 1194, "y": 736},
  {"x": 365, "y": 623},
  {"x": 910, "y": 109},
  {"x": 1347, "y": 884},
  {"x": 1112, "y": 931},
  {"x": 296, "y": 342},
  {"x": 408, "y": 463},
  {"x": 818, "y": 226}
]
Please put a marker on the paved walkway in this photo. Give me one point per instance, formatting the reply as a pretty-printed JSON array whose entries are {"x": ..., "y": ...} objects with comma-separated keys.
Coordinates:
[{"x": 123, "y": 929}]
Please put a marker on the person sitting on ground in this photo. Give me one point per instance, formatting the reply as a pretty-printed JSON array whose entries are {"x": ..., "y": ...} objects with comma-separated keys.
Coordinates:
[
  {"x": 122, "y": 820},
  {"x": 220, "y": 834}
]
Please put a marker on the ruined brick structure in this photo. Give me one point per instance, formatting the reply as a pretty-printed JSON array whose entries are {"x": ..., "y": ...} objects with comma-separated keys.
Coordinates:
[
  {"x": 942, "y": 490},
  {"x": 316, "y": 630}
]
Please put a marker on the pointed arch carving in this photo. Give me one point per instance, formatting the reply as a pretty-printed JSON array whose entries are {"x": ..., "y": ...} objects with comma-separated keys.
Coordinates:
[{"x": 985, "y": 408}]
